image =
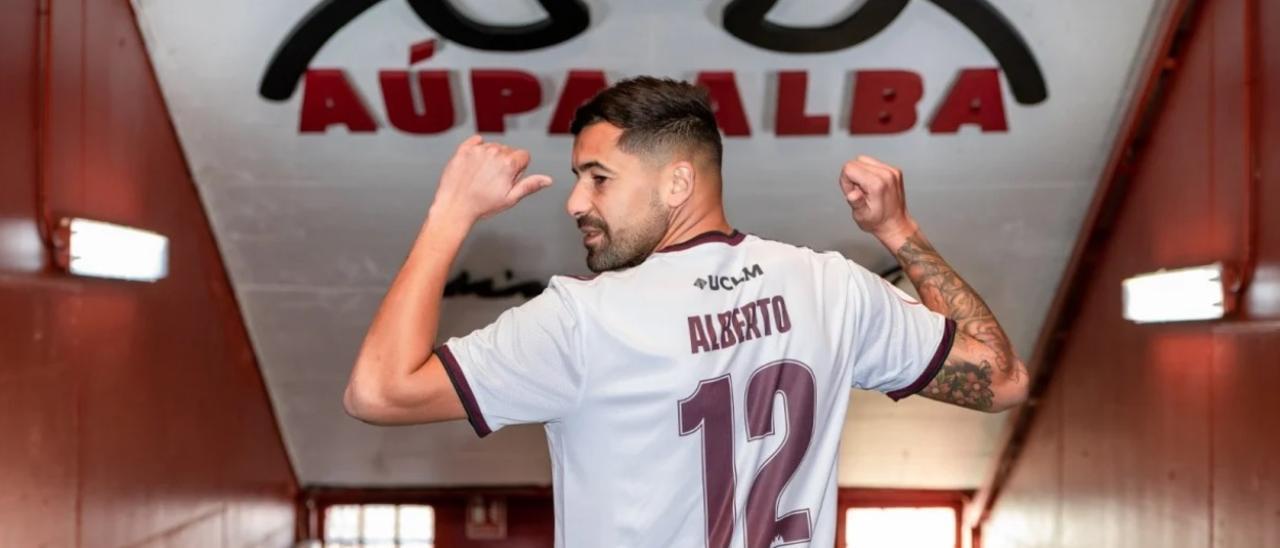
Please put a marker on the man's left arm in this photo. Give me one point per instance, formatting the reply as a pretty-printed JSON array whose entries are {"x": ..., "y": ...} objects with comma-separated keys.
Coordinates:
[{"x": 981, "y": 371}]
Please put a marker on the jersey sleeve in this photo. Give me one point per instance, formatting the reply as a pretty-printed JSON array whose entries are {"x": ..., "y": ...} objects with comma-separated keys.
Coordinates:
[
  {"x": 522, "y": 368},
  {"x": 898, "y": 344}
]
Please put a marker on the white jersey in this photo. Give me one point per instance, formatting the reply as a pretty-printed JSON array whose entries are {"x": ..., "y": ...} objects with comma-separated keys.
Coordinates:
[{"x": 698, "y": 399}]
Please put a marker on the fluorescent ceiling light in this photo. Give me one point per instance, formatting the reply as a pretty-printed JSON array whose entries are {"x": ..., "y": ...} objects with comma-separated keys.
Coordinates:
[
  {"x": 104, "y": 250},
  {"x": 1184, "y": 294}
]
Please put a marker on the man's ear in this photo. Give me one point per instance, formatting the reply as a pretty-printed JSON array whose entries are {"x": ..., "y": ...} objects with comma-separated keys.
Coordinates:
[{"x": 681, "y": 182}]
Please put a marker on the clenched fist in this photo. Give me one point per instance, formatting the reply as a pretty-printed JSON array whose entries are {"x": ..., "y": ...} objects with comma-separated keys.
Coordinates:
[
  {"x": 484, "y": 179},
  {"x": 874, "y": 192}
]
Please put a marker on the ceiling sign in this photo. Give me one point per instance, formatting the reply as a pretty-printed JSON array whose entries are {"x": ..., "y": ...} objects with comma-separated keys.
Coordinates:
[{"x": 883, "y": 101}]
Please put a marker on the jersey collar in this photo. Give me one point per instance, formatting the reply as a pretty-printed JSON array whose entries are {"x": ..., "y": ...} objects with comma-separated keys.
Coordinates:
[{"x": 732, "y": 238}]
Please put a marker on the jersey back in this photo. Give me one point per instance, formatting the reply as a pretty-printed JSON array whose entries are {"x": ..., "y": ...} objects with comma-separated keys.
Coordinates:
[{"x": 699, "y": 398}]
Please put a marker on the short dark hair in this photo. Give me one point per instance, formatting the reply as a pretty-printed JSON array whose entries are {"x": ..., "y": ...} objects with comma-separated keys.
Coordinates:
[{"x": 655, "y": 114}]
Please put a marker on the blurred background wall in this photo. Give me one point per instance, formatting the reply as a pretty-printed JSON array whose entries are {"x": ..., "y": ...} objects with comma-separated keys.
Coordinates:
[
  {"x": 1164, "y": 435},
  {"x": 130, "y": 414}
]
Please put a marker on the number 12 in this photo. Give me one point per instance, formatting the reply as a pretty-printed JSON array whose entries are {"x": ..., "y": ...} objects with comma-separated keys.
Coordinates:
[{"x": 710, "y": 409}]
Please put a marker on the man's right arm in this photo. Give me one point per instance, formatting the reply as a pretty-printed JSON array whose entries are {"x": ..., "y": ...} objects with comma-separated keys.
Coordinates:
[{"x": 397, "y": 379}]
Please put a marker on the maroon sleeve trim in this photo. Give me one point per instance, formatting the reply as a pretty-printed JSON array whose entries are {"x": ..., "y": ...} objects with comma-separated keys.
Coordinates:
[
  {"x": 463, "y": 389},
  {"x": 935, "y": 365}
]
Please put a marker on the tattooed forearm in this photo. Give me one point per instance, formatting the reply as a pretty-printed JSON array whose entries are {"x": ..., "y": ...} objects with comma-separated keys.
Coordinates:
[
  {"x": 963, "y": 384},
  {"x": 982, "y": 360},
  {"x": 944, "y": 291}
]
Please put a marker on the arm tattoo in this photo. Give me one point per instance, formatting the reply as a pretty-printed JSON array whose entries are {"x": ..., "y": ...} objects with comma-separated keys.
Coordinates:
[
  {"x": 963, "y": 383},
  {"x": 943, "y": 291}
]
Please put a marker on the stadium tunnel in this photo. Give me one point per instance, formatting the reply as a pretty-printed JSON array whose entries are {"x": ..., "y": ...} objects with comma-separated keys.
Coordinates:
[{"x": 203, "y": 204}]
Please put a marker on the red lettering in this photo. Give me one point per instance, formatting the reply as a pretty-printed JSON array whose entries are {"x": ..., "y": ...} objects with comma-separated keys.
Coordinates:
[
  {"x": 726, "y": 102},
  {"x": 884, "y": 101},
  {"x": 422, "y": 51},
  {"x": 433, "y": 90},
  {"x": 497, "y": 93},
  {"x": 975, "y": 98},
  {"x": 328, "y": 99},
  {"x": 579, "y": 88},
  {"x": 791, "y": 118}
]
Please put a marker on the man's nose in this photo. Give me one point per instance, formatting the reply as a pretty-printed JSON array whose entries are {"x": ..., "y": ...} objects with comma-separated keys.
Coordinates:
[{"x": 579, "y": 202}]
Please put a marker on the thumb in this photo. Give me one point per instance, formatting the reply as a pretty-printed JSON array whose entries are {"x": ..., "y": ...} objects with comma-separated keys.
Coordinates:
[
  {"x": 856, "y": 197},
  {"x": 468, "y": 143},
  {"x": 527, "y": 186}
]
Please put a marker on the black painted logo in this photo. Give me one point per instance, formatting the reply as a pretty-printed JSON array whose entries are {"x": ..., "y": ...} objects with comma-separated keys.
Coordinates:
[
  {"x": 745, "y": 20},
  {"x": 565, "y": 19},
  {"x": 462, "y": 284}
]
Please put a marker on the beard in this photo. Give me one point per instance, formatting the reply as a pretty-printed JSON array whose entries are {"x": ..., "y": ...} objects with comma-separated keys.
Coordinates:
[{"x": 628, "y": 247}]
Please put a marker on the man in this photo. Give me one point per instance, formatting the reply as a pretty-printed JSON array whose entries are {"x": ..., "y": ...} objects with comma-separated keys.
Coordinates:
[{"x": 693, "y": 392}]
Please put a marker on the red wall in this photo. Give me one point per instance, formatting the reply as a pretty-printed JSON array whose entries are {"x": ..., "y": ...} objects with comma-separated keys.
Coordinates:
[
  {"x": 130, "y": 414},
  {"x": 1164, "y": 435}
]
